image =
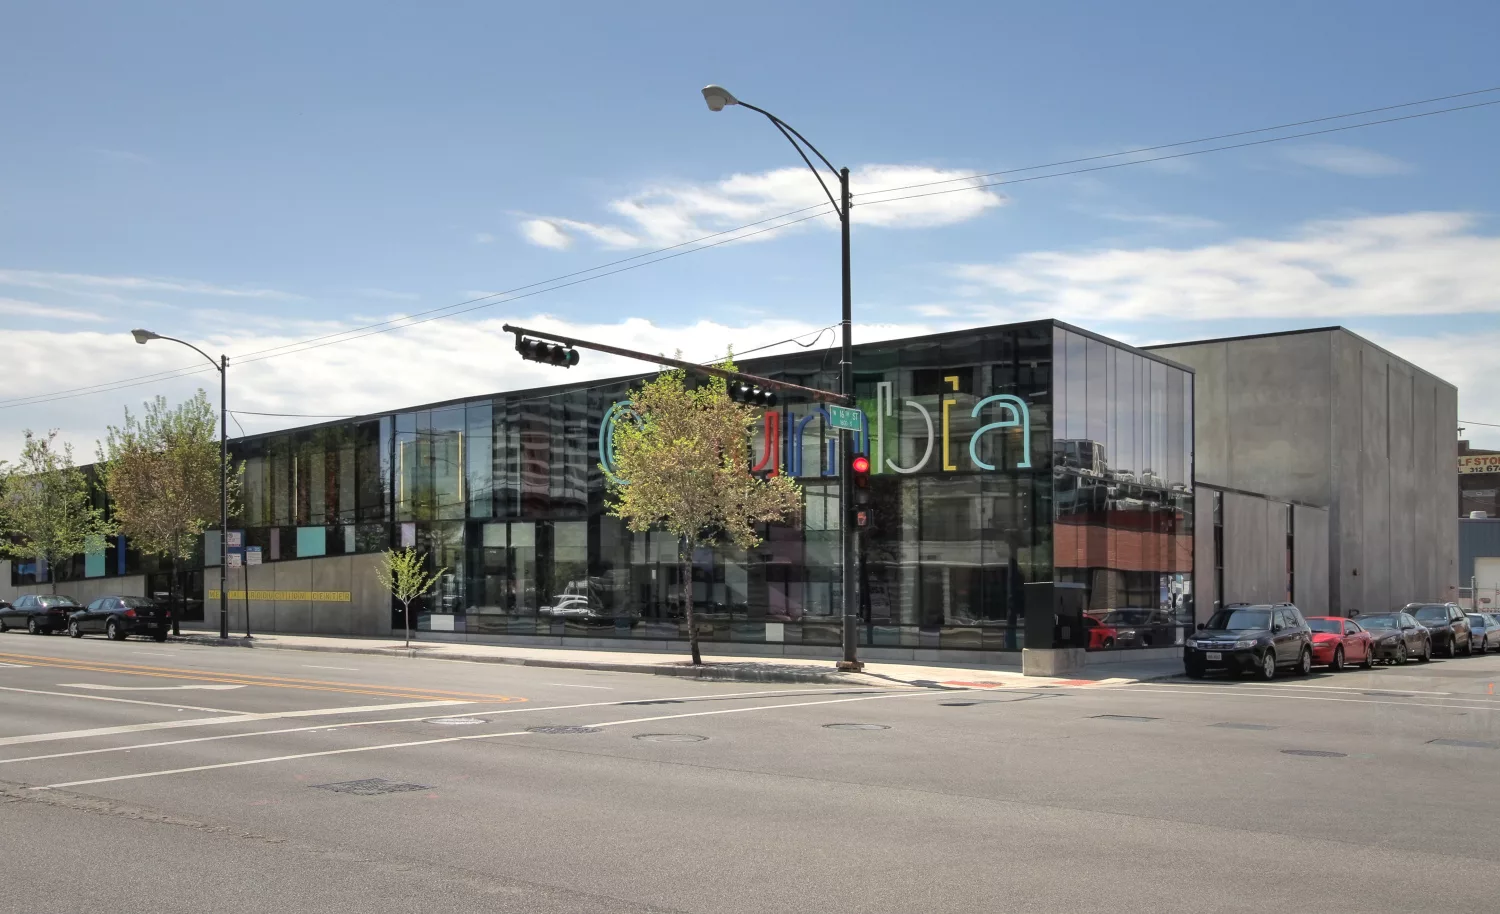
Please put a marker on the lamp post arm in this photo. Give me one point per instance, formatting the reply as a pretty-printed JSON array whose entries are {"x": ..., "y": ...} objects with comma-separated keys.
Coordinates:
[
  {"x": 788, "y": 131},
  {"x": 211, "y": 360}
]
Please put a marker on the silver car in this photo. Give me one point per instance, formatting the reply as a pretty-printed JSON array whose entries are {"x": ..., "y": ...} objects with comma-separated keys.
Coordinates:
[{"x": 1484, "y": 632}]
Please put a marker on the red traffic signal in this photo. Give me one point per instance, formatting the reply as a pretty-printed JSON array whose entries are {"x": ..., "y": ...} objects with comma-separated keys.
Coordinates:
[{"x": 860, "y": 465}]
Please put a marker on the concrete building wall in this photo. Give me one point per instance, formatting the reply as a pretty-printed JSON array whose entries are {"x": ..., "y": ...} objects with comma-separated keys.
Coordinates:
[
  {"x": 85, "y": 591},
  {"x": 366, "y": 612},
  {"x": 1205, "y": 575},
  {"x": 1310, "y": 557},
  {"x": 1255, "y": 549}
]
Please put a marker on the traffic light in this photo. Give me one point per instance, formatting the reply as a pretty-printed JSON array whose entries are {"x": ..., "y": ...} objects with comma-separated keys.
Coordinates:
[
  {"x": 751, "y": 394},
  {"x": 547, "y": 353},
  {"x": 860, "y": 512}
]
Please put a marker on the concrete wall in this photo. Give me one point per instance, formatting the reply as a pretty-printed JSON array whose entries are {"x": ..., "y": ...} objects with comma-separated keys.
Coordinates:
[
  {"x": 1254, "y": 549},
  {"x": 1262, "y": 413},
  {"x": 85, "y": 591},
  {"x": 366, "y": 613},
  {"x": 1205, "y": 587},
  {"x": 1310, "y": 543},
  {"x": 1395, "y": 493}
]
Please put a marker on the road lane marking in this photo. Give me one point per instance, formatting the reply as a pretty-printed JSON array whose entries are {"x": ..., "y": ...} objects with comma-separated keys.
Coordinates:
[
  {"x": 113, "y": 688},
  {"x": 12, "y": 666},
  {"x": 454, "y": 739},
  {"x": 347, "y": 669},
  {"x": 1272, "y": 693},
  {"x": 528, "y": 709},
  {"x": 128, "y": 701},
  {"x": 237, "y": 718},
  {"x": 570, "y": 685}
]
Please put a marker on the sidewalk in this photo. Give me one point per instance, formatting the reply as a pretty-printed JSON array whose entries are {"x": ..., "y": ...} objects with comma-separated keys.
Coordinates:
[{"x": 738, "y": 669}]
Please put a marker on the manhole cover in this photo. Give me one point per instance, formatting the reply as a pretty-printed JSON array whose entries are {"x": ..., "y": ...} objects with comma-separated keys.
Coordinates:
[
  {"x": 562, "y": 729},
  {"x": 1314, "y": 753},
  {"x": 671, "y": 738},
  {"x": 371, "y": 787},
  {"x": 1130, "y": 717},
  {"x": 1231, "y": 725},
  {"x": 856, "y": 727},
  {"x": 1464, "y": 743},
  {"x": 455, "y": 721}
]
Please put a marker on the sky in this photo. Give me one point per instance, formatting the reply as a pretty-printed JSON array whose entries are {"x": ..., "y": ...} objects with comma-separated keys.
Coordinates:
[{"x": 251, "y": 177}]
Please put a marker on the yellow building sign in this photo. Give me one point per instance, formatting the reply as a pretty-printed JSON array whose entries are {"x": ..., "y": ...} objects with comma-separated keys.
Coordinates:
[{"x": 310, "y": 596}]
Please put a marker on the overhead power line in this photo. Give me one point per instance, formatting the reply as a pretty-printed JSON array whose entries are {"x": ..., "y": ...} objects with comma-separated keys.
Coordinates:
[{"x": 697, "y": 244}]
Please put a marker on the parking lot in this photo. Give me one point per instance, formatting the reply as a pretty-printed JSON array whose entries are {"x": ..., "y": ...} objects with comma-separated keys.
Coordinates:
[{"x": 378, "y": 784}]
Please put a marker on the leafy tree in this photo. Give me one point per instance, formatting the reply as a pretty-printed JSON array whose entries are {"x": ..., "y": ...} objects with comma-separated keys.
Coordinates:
[
  {"x": 683, "y": 466},
  {"x": 404, "y": 573},
  {"x": 45, "y": 509},
  {"x": 161, "y": 471}
]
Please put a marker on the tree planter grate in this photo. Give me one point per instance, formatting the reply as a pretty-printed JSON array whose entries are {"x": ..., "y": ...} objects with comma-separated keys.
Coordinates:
[
  {"x": 671, "y": 738},
  {"x": 371, "y": 787},
  {"x": 856, "y": 727},
  {"x": 562, "y": 729},
  {"x": 1314, "y": 753}
]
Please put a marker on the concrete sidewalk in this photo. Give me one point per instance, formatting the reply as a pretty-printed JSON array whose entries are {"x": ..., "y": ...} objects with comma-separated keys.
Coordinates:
[{"x": 739, "y": 669}]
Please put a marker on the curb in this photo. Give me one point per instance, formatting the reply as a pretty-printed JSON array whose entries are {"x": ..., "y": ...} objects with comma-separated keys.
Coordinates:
[{"x": 723, "y": 673}]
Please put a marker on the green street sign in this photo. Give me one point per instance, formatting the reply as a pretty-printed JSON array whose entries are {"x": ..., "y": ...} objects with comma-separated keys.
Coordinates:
[{"x": 846, "y": 417}]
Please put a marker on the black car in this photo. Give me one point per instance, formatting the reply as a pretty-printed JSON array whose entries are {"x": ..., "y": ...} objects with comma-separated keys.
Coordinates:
[
  {"x": 120, "y": 617},
  {"x": 38, "y": 613},
  {"x": 1398, "y": 637},
  {"x": 1245, "y": 638},
  {"x": 1449, "y": 626}
]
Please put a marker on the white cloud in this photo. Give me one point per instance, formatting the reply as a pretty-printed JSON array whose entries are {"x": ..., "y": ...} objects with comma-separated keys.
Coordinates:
[
  {"x": 476, "y": 358},
  {"x": 14, "y": 307},
  {"x": 86, "y": 284},
  {"x": 1172, "y": 221},
  {"x": 484, "y": 238},
  {"x": 1346, "y": 160},
  {"x": 1408, "y": 264},
  {"x": 669, "y": 214}
]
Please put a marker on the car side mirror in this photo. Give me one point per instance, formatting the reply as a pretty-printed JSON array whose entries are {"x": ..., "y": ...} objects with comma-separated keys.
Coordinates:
[
  {"x": 1202, "y": 626},
  {"x": 1354, "y": 614},
  {"x": 1277, "y": 627}
]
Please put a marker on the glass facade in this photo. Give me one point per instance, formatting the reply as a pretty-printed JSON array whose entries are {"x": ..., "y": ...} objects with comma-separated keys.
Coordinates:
[{"x": 1032, "y": 487}]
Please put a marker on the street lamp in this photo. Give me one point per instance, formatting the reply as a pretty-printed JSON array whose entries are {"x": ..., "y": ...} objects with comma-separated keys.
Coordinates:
[
  {"x": 222, "y": 365},
  {"x": 718, "y": 98}
]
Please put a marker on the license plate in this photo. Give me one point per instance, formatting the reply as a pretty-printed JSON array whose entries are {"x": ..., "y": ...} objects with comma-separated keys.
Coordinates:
[{"x": 1214, "y": 655}]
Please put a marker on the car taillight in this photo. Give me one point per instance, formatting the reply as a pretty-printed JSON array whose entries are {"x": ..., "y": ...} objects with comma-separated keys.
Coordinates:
[{"x": 130, "y": 614}]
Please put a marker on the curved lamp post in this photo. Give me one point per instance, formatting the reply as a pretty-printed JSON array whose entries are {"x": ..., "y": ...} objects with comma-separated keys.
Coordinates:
[
  {"x": 145, "y": 336},
  {"x": 718, "y": 98}
]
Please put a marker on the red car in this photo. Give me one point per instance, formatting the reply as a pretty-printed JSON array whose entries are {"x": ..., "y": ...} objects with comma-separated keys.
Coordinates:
[{"x": 1339, "y": 642}]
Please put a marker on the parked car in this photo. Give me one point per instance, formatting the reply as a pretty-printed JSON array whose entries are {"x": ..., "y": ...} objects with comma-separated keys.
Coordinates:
[
  {"x": 1244, "y": 638},
  {"x": 1484, "y": 629},
  {"x": 38, "y": 613},
  {"x": 119, "y": 617},
  {"x": 1337, "y": 642},
  {"x": 1398, "y": 637},
  {"x": 1448, "y": 625}
]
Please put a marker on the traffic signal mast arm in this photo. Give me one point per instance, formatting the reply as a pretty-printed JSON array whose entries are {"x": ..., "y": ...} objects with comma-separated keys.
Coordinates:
[{"x": 812, "y": 393}]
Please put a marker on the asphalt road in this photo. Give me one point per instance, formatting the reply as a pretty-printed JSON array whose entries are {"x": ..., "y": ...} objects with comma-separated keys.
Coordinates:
[{"x": 137, "y": 777}]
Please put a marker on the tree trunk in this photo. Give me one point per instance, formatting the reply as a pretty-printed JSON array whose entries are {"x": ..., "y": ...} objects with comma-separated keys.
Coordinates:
[
  {"x": 173, "y": 587},
  {"x": 406, "y": 609},
  {"x": 685, "y": 560}
]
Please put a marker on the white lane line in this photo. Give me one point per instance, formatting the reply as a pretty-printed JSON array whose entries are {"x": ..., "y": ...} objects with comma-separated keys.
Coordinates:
[
  {"x": 177, "y": 688},
  {"x": 1272, "y": 693},
  {"x": 571, "y": 685},
  {"x": 347, "y": 669},
  {"x": 127, "y": 701},
  {"x": 520, "y": 709},
  {"x": 238, "y": 718},
  {"x": 14, "y": 666},
  {"x": 1289, "y": 685},
  {"x": 457, "y": 739}
]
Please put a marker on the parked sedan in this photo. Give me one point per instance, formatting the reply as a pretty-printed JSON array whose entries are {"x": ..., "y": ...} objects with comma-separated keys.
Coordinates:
[
  {"x": 1448, "y": 625},
  {"x": 38, "y": 613},
  {"x": 1337, "y": 642},
  {"x": 1398, "y": 637},
  {"x": 1484, "y": 631},
  {"x": 120, "y": 617}
]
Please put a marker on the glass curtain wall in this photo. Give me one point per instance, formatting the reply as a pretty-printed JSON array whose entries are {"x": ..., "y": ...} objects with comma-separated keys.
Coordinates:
[{"x": 1123, "y": 478}]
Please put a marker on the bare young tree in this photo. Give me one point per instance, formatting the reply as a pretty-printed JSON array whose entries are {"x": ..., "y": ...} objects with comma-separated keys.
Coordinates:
[
  {"x": 682, "y": 465},
  {"x": 403, "y": 572}
]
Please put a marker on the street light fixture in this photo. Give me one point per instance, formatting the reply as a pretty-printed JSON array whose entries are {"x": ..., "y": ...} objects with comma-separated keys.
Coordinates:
[
  {"x": 222, "y": 365},
  {"x": 718, "y": 98}
]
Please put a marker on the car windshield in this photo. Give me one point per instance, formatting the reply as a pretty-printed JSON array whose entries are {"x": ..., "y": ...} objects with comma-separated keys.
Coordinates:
[
  {"x": 137, "y": 603},
  {"x": 1240, "y": 620},
  {"x": 1327, "y": 626},
  {"x": 1432, "y": 614},
  {"x": 50, "y": 601},
  {"x": 1380, "y": 623},
  {"x": 1477, "y": 620}
]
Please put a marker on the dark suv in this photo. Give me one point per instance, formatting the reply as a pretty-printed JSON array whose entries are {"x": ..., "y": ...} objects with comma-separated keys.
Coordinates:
[
  {"x": 1250, "y": 638},
  {"x": 1448, "y": 624}
]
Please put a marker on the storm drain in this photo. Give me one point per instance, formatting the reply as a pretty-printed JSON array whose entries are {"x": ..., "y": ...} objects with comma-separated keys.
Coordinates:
[
  {"x": 855, "y": 727},
  {"x": 1130, "y": 717},
  {"x": 1231, "y": 725},
  {"x": 1314, "y": 753},
  {"x": 371, "y": 787},
  {"x": 671, "y": 738},
  {"x": 562, "y": 729},
  {"x": 455, "y": 721},
  {"x": 1464, "y": 743}
]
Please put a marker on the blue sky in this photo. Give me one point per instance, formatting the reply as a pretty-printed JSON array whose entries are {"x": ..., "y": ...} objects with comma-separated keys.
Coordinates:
[{"x": 249, "y": 176}]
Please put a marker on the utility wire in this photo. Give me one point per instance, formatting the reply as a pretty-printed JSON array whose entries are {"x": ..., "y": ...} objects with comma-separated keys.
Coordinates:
[{"x": 1206, "y": 139}]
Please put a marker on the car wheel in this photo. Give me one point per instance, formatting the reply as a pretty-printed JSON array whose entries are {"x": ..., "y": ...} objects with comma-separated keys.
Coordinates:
[
  {"x": 1400, "y": 654},
  {"x": 3, "y": 626},
  {"x": 113, "y": 631},
  {"x": 1469, "y": 646},
  {"x": 1426, "y": 651},
  {"x": 1304, "y": 663},
  {"x": 32, "y": 627},
  {"x": 1450, "y": 650},
  {"x": 1369, "y": 662},
  {"x": 1337, "y": 666},
  {"x": 74, "y": 631},
  {"x": 1267, "y": 669}
]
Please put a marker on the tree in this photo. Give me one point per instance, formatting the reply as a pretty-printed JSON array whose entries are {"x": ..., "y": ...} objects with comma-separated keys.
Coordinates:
[
  {"x": 46, "y": 511},
  {"x": 161, "y": 471},
  {"x": 404, "y": 573},
  {"x": 683, "y": 466}
]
